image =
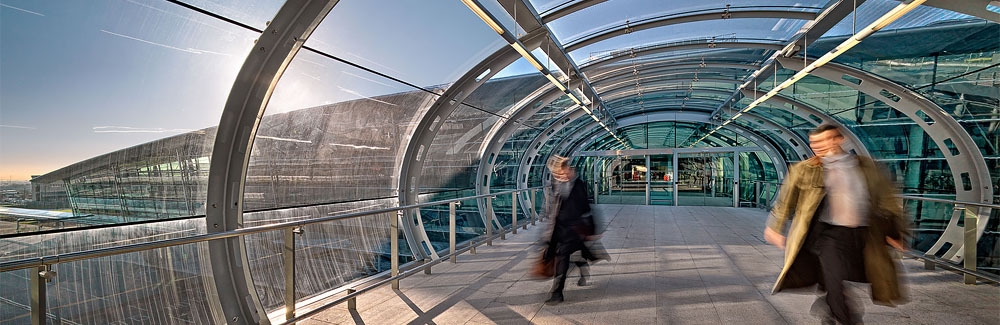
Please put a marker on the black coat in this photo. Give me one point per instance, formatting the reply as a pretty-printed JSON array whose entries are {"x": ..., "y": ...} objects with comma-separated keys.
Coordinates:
[{"x": 569, "y": 226}]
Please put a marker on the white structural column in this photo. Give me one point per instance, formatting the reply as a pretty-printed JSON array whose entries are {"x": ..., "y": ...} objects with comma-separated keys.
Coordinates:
[
  {"x": 968, "y": 167},
  {"x": 272, "y": 52}
]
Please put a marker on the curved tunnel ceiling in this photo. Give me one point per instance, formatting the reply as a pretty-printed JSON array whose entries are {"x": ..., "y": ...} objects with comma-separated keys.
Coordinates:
[{"x": 698, "y": 57}]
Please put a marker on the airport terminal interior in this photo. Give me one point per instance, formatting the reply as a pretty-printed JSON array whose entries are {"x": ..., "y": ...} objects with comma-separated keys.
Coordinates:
[{"x": 383, "y": 161}]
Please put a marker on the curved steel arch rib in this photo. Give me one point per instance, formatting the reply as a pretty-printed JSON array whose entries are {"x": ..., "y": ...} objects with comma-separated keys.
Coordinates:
[
  {"x": 275, "y": 47},
  {"x": 717, "y": 14},
  {"x": 626, "y": 85},
  {"x": 655, "y": 73},
  {"x": 689, "y": 45},
  {"x": 596, "y": 75},
  {"x": 532, "y": 154},
  {"x": 568, "y": 145},
  {"x": 811, "y": 115},
  {"x": 499, "y": 134},
  {"x": 963, "y": 155},
  {"x": 624, "y": 93},
  {"x": 413, "y": 158}
]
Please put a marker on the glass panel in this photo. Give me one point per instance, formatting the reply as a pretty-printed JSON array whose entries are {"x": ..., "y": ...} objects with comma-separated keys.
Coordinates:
[
  {"x": 758, "y": 179},
  {"x": 335, "y": 253},
  {"x": 705, "y": 179},
  {"x": 255, "y": 13},
  {"x": 469, "y": 223},
  {"x": 623, "y": 181},
  {"x": 16, "y": 305},
  {"x": 339, "y": 144},
  {"x": 127, "y": 289},
  {"x": 869, "y": 11},
  {"x": 141, "y": 86},
  {"x": 452, "y": 157},
  {"x": 407, "y": 32}
]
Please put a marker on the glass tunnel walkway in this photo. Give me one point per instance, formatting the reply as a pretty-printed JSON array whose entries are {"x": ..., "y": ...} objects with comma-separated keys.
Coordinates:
[
  {"x": 374, "y": 161},
  {"x": 667, "y": 264}
]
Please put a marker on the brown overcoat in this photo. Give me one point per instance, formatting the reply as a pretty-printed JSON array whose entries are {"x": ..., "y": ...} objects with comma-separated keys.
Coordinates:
[{"x": 798, "y": 200}]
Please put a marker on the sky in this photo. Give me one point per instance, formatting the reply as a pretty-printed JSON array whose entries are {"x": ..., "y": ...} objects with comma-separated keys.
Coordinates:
[{"x": 82, "y": 78}]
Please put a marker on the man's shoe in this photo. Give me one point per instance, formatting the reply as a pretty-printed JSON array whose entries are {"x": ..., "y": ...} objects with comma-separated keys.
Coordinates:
[
  {"x": 555, "y": 299},
  {"x": 582, "y": 282}
]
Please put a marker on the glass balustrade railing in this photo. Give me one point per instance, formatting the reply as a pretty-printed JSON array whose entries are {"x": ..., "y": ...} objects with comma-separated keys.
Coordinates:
[{"x": 336, "y": 249}]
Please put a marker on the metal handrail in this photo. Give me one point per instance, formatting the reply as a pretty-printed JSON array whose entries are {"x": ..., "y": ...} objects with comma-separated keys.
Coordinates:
[
  {"x": 930, "y": 199},
  {"x": 969, "y": 267},
  {"x": 94, "y": 253},
  {"x": 949, "y": 265}
]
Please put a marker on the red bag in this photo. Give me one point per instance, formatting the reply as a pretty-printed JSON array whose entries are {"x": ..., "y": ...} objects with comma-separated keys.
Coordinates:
[{"x": 544, "y": 267}]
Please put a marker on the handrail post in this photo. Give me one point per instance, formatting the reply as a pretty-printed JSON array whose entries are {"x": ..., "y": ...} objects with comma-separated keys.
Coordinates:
[
  {"x": 971, "y": 222},
  {"x": 451, "y": 230},
  {"x": 39, "y": 279},
  {"x": 394, "y": 247},
  {"x": 513, "y": 213},
  {"x": 756, "y": 194},
  {"x": 289, "y": 259},
  {"x": 489, "y": 220},
  {"x": 534, "y": 214}
]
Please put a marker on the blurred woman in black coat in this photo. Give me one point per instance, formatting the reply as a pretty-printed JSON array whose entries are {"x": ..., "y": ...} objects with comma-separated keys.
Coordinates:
[{"x": 566, "y": 207}]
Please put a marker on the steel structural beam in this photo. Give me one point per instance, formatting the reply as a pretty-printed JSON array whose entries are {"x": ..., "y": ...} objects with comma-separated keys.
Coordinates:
[
  {"x": 562, "y": 12},
  {"x": 975, "y": 8},
  {"x": 968, "y": 167},
  {"x": 817, "y": 117},
  {"x": 717, "y": 14},
  {"x": 525, "y": 16},
  {"x": 272, "y": 52},
  {"x": 825, "y": 21},
  {"x": 415, "y": 154}
]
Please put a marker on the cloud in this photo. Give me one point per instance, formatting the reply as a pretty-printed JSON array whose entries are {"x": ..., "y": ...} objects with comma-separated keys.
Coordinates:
[
  {"x": 16, "y": 8},
  {"x": 17, "y": 127},
  {"x": 126, "y": 129},
  {"x": 358, "y": 147}
]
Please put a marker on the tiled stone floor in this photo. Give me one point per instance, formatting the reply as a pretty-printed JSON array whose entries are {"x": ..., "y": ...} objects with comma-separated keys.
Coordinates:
[{"x": 669, "y": 265}]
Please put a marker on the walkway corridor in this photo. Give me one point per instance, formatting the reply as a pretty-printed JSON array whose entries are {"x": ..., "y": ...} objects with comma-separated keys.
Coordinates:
[{"x": 669, "y": 265}]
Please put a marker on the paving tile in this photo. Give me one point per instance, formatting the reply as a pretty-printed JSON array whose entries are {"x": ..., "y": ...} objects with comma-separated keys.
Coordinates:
[{"x": 668, "y": 265}]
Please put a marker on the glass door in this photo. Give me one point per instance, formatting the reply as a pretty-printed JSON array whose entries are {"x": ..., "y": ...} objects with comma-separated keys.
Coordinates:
[
  {"x": 622, "y": 180},
  {"x": 705, "y": 179},
  {"x": 661, "y": 180}
]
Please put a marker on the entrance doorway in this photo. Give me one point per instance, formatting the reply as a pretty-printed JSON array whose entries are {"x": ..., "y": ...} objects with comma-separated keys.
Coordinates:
[{"x": 705, "y": 179}]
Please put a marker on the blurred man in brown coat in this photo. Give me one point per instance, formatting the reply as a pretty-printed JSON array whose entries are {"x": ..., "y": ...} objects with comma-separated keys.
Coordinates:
[{"x": 844, "y": 215}]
